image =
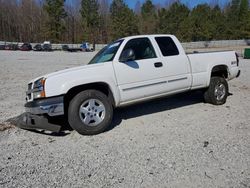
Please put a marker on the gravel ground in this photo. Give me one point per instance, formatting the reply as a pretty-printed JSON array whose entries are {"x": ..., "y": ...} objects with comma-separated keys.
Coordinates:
[{"x": 170, "y": 142}]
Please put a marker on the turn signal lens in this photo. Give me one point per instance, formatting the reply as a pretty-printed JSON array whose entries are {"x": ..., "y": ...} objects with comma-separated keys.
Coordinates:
[{"x": 39, "y": 87}]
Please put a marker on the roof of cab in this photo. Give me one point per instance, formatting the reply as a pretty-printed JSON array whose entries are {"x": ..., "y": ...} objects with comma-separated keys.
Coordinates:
[{"x": 151, "y": 35}]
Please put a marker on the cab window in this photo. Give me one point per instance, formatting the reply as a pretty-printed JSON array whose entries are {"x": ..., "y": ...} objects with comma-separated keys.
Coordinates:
[
  {"x": 167, "y": 46},
  {"x": 142, "y": 48}
]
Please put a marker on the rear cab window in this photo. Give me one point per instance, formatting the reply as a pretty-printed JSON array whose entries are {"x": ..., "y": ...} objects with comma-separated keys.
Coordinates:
[{"x": 167, "y": 46}]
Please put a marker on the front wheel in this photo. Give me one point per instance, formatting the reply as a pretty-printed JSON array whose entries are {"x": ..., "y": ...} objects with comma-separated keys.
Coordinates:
[
  {"x": 90, "y": 112},
  {"x": 217, "y": 92}
]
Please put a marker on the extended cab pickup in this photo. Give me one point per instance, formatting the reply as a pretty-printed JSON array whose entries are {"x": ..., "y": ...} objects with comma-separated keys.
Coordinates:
[{"x": 127, "y": 71}]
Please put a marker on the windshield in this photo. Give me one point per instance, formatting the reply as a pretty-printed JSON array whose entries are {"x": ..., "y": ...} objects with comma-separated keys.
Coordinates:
[{"x": 107, "y": 53}]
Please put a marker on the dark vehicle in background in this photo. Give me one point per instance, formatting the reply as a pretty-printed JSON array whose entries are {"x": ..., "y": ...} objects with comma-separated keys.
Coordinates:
[
  {"x": 2, "y": 47},
  {"x": 47, "y": 47},
  {"x": 67, "y": 48},
  {"x": 38, "y": 48},
  {"x": 11, "y": 47},
  {"x": 26, "y": 47}
]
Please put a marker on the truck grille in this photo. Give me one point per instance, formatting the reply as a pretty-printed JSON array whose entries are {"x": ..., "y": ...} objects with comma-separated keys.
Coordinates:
[
  {"x": 29, "y": 86},
  {"x": 29, "y": 93}
]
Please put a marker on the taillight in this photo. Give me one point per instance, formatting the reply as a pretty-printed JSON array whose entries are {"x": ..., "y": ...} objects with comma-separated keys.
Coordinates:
[{"x": 237, "y": 58}]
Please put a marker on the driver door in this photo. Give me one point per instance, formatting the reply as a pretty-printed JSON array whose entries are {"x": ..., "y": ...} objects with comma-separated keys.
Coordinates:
[{"x": 144, "y": 75}]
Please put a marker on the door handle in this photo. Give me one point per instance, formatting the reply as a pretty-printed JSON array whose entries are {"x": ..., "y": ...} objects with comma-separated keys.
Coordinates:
[{"x": 158, "y": 64}]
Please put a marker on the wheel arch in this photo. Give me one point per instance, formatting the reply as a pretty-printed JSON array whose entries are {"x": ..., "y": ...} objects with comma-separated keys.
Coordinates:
[
  {"x": 100, "y": 86},
  {"x": 219, "y": 71}
]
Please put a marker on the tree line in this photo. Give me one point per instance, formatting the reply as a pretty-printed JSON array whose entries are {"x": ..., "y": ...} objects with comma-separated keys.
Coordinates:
[{"x": 101, "y": 21}]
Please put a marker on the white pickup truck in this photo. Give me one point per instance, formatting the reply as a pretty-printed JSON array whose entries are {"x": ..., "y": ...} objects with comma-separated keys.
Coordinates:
[{"x": 127, "y": 71}]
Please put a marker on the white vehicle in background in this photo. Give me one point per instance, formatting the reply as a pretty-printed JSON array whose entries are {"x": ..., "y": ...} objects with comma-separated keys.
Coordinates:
[
  {"x": 127, "y": 71},
  {"x": 46, "y": 42}
]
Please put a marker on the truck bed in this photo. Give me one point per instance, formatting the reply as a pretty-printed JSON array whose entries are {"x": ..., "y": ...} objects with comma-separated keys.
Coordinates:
[
  {"x": 202, "y": 63},
  {"x": 202, "y": 52}
]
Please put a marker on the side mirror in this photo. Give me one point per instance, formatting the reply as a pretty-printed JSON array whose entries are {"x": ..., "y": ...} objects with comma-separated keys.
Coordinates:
[{"x": 127, "y": 55}]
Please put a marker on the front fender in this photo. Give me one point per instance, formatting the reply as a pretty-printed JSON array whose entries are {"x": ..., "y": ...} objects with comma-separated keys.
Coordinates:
[{"x": 60, "y": 84}]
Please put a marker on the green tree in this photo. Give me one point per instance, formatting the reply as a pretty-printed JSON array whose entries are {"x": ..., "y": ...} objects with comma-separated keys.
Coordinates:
[
  {"x": 219, "y": 20},
  {"x": 238, "y": 20},
  {"x": 91, "y": 19},
  {"x": 174, "y": 21},
  {"x": 201, "y": 23},
  {"x": 244, "y": 19},
  {"x": 184, "y": 32},
  {"x": 148, "y": 18},
  {"x": 232, "y": 23},
  {"x": 123, "y": 20},
  {"x": 163, "y": 21},
  {"x": 55, "y": 24}
]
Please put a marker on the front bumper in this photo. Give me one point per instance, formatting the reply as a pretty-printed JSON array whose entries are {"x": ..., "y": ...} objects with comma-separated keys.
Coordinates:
[
  {"x": 31, "y": 121},
  {"x": 38, "y": 113},
  {"x": 51, "y": 106}
]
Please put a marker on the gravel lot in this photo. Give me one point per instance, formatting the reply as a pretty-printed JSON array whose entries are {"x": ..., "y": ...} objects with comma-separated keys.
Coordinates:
[{"x": 171, "y": 142}]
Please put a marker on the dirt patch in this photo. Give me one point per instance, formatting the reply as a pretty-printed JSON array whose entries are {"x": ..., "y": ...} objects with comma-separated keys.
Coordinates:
[
  {"x": 244, "y": 87},
  {"x": 9, "y": 124},
  {"x": 177, "y": 141},
  {"x": 6, "y": 125}
]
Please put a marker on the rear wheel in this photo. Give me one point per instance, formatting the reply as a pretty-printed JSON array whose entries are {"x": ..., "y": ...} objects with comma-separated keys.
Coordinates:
[
  {"x": 217, "y": 92},
  {"x": 90, "y": 112}
]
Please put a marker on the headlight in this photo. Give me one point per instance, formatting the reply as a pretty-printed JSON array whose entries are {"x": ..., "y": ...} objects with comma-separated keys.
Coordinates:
[{"x": 38, "y": 88}]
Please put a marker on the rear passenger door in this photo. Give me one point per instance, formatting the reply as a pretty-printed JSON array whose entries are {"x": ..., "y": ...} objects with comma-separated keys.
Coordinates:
[
  {"x": 178, "y": 72},
  {"x": 143, "y": 76}
]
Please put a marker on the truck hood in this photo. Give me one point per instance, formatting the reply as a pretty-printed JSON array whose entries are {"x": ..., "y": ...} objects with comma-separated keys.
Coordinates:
[{"x": 65, "y": 71}]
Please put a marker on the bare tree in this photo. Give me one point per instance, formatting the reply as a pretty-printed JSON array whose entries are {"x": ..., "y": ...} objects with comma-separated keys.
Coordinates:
[
  {"x": 138, "y": 7},
  {"x": 105, "y": 21},
  {"x": 213, "y": 3}
]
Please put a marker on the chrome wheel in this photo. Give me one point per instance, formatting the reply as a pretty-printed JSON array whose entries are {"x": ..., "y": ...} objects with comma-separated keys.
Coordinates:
[
  {"x": 92, "y": 112},
  {"x": 220, "y": 91}
]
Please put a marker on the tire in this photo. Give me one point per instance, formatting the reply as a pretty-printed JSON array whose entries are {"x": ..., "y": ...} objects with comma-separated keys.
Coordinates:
[
  {"x": 217, "y": 92},
  {"x": 90, "y": 112}
]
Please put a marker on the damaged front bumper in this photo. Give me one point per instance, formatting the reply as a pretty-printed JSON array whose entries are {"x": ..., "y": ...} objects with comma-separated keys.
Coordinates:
[
  {"x": 52, "y": 106},
  {"x": 31, "y": 121},
  {"x": 38, "y": 113}
]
